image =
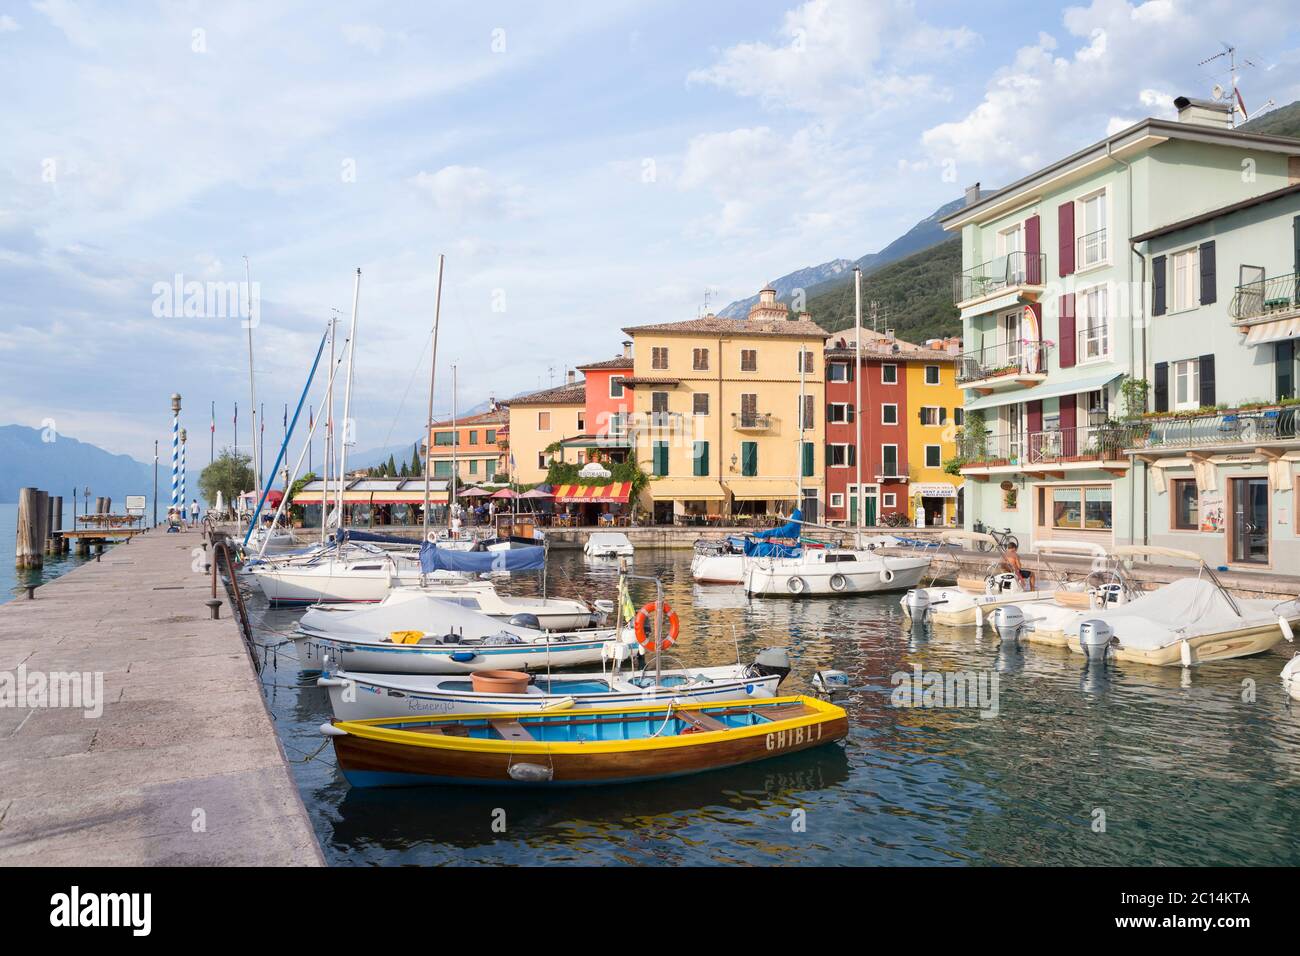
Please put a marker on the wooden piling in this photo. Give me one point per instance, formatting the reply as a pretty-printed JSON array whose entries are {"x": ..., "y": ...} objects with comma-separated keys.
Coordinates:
[
  {"x": 57, "y": 544},
  {"x": 27, "y": 551}
]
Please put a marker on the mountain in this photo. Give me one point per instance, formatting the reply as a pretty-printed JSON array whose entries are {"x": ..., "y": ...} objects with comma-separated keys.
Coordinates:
[
  {"x": 816, "y": 280},
  {"x": 785, "y": 286},
  {"x": 65, "y": 464},
  {"x": 913, "y": 294},
  {"x": 1283, "y": 121}
]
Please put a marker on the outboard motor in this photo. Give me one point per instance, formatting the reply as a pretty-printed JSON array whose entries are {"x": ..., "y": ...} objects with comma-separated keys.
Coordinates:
[
  {"x": 917, "y": 603},
  {"x": 830, "y": 683},
  {"x": 1095, "y": 638},
  {"x": 526, "y": 620},
  {"x": 772, "y": 660},
  {"x": 1008, "y": 620}
]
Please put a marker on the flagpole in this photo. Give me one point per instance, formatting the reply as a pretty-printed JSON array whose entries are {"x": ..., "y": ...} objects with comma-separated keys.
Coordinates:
[
  {"x": 857, "y": 410},
  {"x": 212, "y": 436}
]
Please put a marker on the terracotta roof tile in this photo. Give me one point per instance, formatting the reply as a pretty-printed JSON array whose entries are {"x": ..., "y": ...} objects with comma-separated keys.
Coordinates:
[
  {"x": 575, "y": 394},
  {"x": 621, "y": 361},
  {"x": 712, "y": 325}
]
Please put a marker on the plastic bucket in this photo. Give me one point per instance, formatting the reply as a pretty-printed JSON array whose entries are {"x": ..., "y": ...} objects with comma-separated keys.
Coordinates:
[{"x": 500, "y": 682}]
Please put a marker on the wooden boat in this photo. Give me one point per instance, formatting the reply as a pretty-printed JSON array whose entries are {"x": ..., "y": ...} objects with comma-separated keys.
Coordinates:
[{"x": 604, "y": 745}]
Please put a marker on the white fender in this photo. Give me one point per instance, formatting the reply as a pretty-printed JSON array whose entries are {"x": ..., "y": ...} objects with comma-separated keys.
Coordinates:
[
  {"x": 1285, "y": 625},
  {"x": 331, "y": 730},
  {"x": 1185, "y": 652}
]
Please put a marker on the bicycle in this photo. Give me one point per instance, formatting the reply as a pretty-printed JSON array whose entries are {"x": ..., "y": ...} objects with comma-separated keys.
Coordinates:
[{"x": 1002, "y": 540}]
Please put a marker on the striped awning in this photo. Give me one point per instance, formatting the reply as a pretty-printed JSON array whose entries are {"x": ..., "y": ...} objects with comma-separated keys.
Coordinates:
[
  {"x": 616, "y": 493},
  {"x": 354, "y": 497},
  {"x": 1278, "y": 330}
]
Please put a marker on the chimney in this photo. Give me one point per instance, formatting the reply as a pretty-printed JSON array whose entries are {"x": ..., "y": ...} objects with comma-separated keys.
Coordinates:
[
  {"x": 972, "y": 194},
  {"x": 627, "y": 348},
  {"x": 1204, "y": 112},
  {"x": 570, "y": 376},
  {"x": 803, "y": 317},
  {"x": 889, "y": 335}
]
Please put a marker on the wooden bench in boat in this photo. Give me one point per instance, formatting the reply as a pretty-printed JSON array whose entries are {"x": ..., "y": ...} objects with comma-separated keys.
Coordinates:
[
  {"x": 511, "y": 730},
  {"x": 785, "y": 711},
  {"x": 699, "y": 721}
]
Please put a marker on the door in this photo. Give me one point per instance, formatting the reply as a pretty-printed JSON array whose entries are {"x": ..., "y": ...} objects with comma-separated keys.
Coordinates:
[{"x": 1250, "y": 520}]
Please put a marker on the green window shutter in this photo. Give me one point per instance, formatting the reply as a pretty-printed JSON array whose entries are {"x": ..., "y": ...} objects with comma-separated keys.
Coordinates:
[
  {"x": 808, "y": 459},
  {"x": 749, "y": 459},
  {"x": 701, "y": 459},
  {"x": 661, "y": 458},
  {"x": 853, "y": 455}
]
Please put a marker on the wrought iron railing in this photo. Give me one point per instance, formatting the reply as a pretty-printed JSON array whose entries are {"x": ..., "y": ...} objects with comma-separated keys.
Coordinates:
[
  {"x": 886, "y": 470},
  {"x": 1266, "y": 298},
  {"x": 1246, "y": 427},
  {"x": 1013, "y": 269},
  {"x": 1092, "y": 343},
  {"x": 1091, "y": 250},
  {"x": 1018, "y": 357},
  {"x": 1083, "y": 443},
  {"x": 752, "y": 421},
  {"x": 638, "y": 420}
]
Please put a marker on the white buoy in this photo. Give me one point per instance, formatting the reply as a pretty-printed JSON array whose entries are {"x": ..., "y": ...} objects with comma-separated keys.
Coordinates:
[{"x": 1291, "y": 677}]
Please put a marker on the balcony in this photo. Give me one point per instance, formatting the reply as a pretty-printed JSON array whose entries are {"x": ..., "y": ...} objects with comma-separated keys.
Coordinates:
[
  {"x": 1266, "y": 300},
  {"x": 1012, "y": 271},
  {"x": 1007, "y": 365},
  {"x": 1231, "y": 430},
  {"x": 1041, "y": 452},
  {"x": 886, "y": 471},
  {"x": 1091, "y": 250},
  {"x": 656, "y": 420},
  {"x": 752, "y": 421}
]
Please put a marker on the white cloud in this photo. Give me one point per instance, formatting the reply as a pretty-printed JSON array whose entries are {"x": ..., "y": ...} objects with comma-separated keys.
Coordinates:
[
  {"x": 368, "y": 36},
  {"x": 467, "y": 191},
  {"x": 836, "y": 57},
  {"x": 8, "y": 24}
]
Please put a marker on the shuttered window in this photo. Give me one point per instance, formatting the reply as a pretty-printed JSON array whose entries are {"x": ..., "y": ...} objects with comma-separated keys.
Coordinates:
[
  {"x": 748, "y": 360},
  {"x": 661, "y": 458},
  {"x": 659, "y": 358},
  {"x": 809, "y": 451},
  {"x": 700, "y": 360},
  {"x": 749, "y": 458},
  {"x": 700, "y": 459}
]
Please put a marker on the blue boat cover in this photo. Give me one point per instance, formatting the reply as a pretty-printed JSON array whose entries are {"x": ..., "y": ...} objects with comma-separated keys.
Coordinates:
[
  {"x": 353, "y": 535},
  {"x": 771, "y": 549},
  {"x": 434, "y": 558},
  {"x": 791, "y": 529}
]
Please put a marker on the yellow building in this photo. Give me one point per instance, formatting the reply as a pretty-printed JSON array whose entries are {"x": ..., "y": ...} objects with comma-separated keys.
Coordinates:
[
  {"x": 540, "y": 420},
  {"x": 934, "y": 401},
  {"x": 729, "y": 414}
]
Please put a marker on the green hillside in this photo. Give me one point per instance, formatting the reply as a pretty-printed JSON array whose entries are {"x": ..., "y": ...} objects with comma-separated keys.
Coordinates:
[
  {"x": 914, "y": 296},
  {"x": 1283, "y": 121}
]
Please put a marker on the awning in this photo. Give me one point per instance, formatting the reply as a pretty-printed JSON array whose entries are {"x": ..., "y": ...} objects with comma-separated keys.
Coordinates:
[
  {"x": 1007, "y": 300},
  {"x": 616, "y": 493},
  {"x": 763, "y": 489},
  {"x": 687, "y": 489},
  {"x": 1045, "y": 390},
  {"x": 351, "y": 497},
  {"x": 1276, "y": 331}
]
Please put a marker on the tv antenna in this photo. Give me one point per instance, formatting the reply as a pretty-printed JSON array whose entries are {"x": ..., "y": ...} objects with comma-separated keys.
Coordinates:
[{"x": 1232, "y": 95}]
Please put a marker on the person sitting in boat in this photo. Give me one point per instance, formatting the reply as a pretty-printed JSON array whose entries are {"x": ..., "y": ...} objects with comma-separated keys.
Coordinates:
[{"x": 1011, "y": 562}]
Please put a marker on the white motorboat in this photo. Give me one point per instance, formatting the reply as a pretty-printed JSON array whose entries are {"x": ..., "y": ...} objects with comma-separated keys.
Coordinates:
[
  {"x": 608, "y": 544},
  {"x": 719, "y": 561},
  {"x": 1291, "y": 677},
  {"x": 818, "y": 572},
  {"x": 272, "y": 540},
  {"x": 460, "y": 642},
  {"x": 363, "y": 696},
  {"x": 1189, "y": 621},
  {"x": 972, "y": 599},
  {"x": 1044, "y": 622},
  {"x": 417, "y": 607}
]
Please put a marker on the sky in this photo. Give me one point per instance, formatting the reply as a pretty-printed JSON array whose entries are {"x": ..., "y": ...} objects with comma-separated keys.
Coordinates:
[{"x": 582, "y": 166}]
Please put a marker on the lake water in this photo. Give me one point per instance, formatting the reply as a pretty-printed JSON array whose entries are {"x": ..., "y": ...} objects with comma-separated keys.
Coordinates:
[
  {"x": 12, "y": 581},
  {"x": 1125, "y": 764}
]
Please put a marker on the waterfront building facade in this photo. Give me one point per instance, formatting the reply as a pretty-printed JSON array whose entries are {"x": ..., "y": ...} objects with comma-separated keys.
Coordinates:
[
  {"x": 472, "y": 445},
  {"x": 727, "y": 416},
  {"x": 539, "y": 423},
  {"x": 1053, "y": 299}
]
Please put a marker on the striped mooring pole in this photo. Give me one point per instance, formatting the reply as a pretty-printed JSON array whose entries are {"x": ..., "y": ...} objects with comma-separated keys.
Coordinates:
[
  {"x": 176, "y": 446},
  {"x": 183, "y": 440}
]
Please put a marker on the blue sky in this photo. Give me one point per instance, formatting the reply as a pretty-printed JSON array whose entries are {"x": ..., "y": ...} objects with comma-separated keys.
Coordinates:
[{"x": 583, "y": 166}]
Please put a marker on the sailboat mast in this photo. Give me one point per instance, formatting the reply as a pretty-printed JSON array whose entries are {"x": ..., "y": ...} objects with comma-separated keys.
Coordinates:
[
  {"x": 347, "y": 397},
  {"x": 455, "y": 440},
  {"x": 433, "y": 377},
  {"x": 857, "y": 398},
  {"x": 328, "y": 456},
  {"x": 252, "y": 384}
]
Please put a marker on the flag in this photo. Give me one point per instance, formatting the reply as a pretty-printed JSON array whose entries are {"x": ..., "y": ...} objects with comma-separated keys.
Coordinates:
[
  {"x": 286, "y": 415},
  {"x": 213, "y": 427},
  {"x": 1241, "y": 103},
  {"x": 625, "y": 598}
]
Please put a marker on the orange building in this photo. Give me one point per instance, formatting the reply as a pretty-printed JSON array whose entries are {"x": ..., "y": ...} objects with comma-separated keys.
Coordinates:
[
  {"x": 607, "y": 410},
  {"x": 475, "y": 443}
]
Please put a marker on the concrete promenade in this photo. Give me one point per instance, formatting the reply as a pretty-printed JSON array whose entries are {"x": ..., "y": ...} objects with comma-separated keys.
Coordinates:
[{"x": 183, "y": 767}]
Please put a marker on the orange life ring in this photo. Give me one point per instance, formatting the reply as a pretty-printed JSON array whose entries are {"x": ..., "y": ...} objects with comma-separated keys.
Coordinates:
[{"x": 648, "y": 642}]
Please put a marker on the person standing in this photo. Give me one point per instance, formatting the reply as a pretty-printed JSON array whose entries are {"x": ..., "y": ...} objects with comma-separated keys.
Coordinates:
[{"x": 194, "y": 513}]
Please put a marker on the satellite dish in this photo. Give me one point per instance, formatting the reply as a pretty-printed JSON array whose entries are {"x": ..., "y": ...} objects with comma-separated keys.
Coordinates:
[{"x": 1217, "y": 92}]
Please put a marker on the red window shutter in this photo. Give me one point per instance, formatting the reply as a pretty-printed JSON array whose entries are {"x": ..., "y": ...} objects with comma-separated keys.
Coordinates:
[
  {"x": 1033, "y": 250},
  {"x": 1065, "y": 332},
  {"x": 1065, "y": 237},
  {"x": 1069, "y": 443},
  {"x": 1034, "y": 416}
]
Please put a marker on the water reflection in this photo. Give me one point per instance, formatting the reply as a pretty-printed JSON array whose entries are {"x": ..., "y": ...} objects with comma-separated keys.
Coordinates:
[{"x": 1189, "y": 770}]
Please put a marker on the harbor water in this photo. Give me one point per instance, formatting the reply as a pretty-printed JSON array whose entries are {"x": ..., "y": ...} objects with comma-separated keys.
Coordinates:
[
  {"x": 12, "y": 580},
  {"x": 1117, "y": 764}
]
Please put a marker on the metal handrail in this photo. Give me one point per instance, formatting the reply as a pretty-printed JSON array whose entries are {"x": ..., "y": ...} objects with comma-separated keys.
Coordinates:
[
  {"x": 1230, "y": 427},
  {"x": 757, "y": 420},
  {"x": 1091, "y": 249},
  {"x": 1277, "y": 295},
  {"x": 1008, "y": 271},
  {"x": 1019, "y": 357}
]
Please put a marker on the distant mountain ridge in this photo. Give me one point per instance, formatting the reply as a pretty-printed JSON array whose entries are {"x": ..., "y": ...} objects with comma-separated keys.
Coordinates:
[
  {"x": 66, "y": 464},
  {"x": 817, "y": 280},
  {"x": 1283, "y": 121}
]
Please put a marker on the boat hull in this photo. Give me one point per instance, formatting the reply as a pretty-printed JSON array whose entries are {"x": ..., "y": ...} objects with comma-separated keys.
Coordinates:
[
  {"x": 375, "y": 755},
  {"x": 1243, "y": 642},
  {"x": 775, "y": 579},
  {"x": 318, "y": 652},
  {"x": 290, "y": 587},
  {"x": 718, "y": 568},
  {"x": 377, "y": 695},
  {"x": 957, "y": 607}
]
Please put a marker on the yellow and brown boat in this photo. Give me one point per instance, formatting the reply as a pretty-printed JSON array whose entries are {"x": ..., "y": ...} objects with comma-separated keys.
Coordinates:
[{"x": 567, "y": 748}]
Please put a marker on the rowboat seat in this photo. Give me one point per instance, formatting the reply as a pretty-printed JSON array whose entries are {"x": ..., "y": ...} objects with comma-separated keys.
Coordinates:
[
  {"x": 700, "y": 721},
  {"x": 511, "y": 730},
  {"x": 785, "y": 711}
]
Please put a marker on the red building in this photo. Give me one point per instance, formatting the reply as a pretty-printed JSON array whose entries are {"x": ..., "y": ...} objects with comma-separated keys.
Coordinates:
[
  {"x": 883, "y": 420},
  {"x": 607, "y": 412}
]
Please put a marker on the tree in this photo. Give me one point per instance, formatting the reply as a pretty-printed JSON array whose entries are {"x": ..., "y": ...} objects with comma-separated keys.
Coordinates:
[
  {"x": 231, "y": 474},
  {"x": 390, "y": 469},
  {"x": 417, "y": 468}
]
